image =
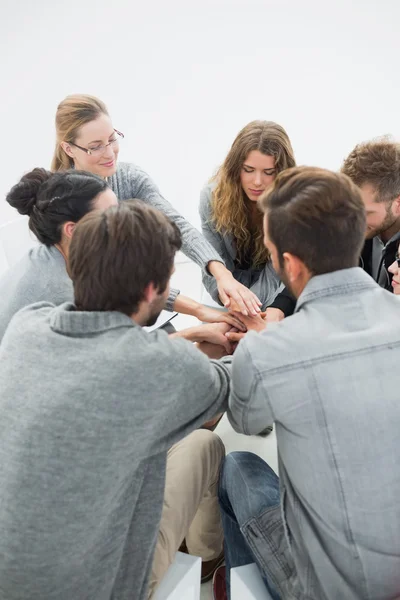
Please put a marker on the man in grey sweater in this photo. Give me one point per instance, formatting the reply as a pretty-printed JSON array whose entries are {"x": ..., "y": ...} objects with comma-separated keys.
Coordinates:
[{"x": 90, "y": 405}]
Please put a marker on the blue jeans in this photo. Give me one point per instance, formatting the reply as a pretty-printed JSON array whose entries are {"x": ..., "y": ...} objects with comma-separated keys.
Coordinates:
[{"x": 247, "y": 487}]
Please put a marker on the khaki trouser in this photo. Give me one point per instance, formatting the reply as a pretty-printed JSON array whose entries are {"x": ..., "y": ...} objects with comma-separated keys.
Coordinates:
[{"x": 190, "y": 509}]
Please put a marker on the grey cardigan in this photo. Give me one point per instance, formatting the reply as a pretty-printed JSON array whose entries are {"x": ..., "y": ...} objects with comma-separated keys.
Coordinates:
[
  {"x": 130, "y": 181},
  {"x": 264, "y": 283},
  {"x": 90, "y": 404}
]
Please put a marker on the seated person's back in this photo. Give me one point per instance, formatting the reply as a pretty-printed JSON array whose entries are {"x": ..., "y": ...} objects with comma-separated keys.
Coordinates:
[
  {"x": 328, "y": 376},
  {"x": 90, "y": 404}
]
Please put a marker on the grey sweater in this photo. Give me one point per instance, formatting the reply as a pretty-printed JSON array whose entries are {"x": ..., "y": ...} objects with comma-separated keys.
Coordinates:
[
  {"x": 130, "y": 181},
  {"x": 39, "y": 275},
  {"x": 263, "y": 282},
  {"x": 90, "y": 403}
]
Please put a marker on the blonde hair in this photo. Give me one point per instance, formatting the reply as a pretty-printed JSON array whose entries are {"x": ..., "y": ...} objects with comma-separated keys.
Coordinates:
[
  {"x": 73, "y": 112},
  {"x": 230, "y": 211}
]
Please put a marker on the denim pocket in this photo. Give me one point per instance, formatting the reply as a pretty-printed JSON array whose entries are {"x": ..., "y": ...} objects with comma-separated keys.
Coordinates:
[{"x": 266, "y": 537}]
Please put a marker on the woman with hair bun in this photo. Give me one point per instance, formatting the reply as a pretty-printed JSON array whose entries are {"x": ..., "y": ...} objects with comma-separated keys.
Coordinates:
[
  {"x": 86, "y": 139},
  {"x": 230, "y": 217},
  {"x": 54, "y": 202}
]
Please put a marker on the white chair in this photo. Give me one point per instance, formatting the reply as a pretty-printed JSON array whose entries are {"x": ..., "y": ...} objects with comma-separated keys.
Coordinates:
[
  {"x": 182, "y": 580},
  {"x": 247, "y": 584},
  {"x": 15, "y": 241}
]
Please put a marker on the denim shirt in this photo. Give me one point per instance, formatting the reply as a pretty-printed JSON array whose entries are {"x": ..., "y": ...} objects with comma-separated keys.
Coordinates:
[{"x": 329, "y": 376}]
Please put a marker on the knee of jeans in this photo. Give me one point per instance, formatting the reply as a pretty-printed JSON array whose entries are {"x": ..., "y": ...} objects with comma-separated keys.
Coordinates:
[{"x": 235, "y": 470}]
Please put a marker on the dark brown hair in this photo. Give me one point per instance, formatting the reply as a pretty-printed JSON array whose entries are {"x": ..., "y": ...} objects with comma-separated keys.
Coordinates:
[
  {"x": 115, "y": 254},
  {"x": 377, "y": 163},
  {"x": 52, "y": 199},
  {"x": 316, "y": 215}
]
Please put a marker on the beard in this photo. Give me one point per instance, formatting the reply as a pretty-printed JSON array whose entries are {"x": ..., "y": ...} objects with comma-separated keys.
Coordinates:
[
  {"x": 155, "y": 309},
  {"x": 388, "y": 221},
  {"x": 285, "y": 280}
]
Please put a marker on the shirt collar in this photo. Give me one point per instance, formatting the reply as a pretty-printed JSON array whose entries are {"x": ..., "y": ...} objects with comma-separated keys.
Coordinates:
[{"x": 335, "y": 283}]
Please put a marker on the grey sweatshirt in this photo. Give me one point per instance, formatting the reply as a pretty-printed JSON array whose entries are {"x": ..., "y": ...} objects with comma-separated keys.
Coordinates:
[
  {"x": 90, "y": 403},
  {"x": 130, "y": 181},
  {"x": 263, "y": 282},
  {"x": 39, "y": 275}
]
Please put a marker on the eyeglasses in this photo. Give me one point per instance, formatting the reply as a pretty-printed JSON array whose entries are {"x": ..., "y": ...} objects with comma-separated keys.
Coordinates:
[
  {"x": 397, "y": 259},
  {"x": 101, "y": 148}
]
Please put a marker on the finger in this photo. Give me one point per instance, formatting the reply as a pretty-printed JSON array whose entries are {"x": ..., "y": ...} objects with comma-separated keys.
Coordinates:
[
  {"x": 250, "y": 303},
  {"x": 232, "y": 320},
  {"x": 241, "y": 306},
  {"x": 235, "y": 337},
  {"x": 228, "y": 347},
  {"x": 223, "y": 296}
]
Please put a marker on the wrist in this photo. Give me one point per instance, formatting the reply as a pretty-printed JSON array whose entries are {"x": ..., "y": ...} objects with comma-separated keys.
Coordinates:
[
  {"x": 217, "y": 269},
  {"x": 191, "y": 334}
]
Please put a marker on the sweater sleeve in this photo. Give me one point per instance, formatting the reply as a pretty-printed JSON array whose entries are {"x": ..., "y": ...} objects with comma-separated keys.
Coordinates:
[
  {"x": 285, "y": 302},
  {"x": 213, "y": 237},
  {"x": 194, "y": 245}
]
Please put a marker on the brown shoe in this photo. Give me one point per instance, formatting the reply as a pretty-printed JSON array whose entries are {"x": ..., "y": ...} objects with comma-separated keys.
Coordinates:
[
  {"x": 266, "y": 431},
  {"x": 219, "y": 584},
  {"x": 209, "y": 567}
]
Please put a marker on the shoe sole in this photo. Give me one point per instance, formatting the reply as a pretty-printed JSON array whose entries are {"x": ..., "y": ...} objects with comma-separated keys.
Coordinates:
[{"x": 211, "y": 575}]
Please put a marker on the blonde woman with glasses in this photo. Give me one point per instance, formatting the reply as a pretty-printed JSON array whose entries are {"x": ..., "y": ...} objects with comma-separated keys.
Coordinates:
[{"x": 87, "y": 140}]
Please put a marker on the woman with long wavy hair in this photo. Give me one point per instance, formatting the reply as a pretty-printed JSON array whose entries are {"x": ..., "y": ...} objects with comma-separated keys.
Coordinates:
[{"x": 230, "y": 217}]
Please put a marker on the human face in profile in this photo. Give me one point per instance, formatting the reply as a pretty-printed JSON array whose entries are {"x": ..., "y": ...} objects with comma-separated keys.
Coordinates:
[{"x": 394, "y": 269}]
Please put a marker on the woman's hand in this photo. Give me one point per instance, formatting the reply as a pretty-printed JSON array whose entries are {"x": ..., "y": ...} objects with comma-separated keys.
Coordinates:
[
  {"x": 231, "y": 290},
  {"x": 213, "y": 315}
]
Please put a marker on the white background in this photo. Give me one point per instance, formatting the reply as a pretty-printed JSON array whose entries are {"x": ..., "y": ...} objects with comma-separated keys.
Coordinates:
[{"x": 181, "y": 78}]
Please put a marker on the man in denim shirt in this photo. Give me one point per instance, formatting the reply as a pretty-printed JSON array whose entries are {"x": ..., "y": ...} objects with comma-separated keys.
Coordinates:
[{"x": 329, "y": 377}]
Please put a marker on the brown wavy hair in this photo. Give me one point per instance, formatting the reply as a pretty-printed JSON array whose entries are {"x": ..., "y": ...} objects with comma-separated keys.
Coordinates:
[
  {"x": 230, "y": 205},
  {"x": 73, "y": 112},
  {"x": 378, "y": 163}
]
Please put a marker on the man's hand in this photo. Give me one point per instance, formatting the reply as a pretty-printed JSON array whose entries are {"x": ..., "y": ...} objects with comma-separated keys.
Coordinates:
[
  {"x": 213, "y": 315},
  {"x": 274, "y": 315},
  {"x": 257, "y": 323},
  {"x": 215, "y": 334}
]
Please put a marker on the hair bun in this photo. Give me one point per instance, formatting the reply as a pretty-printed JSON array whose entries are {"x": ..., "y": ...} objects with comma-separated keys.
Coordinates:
[{"x": 23, "y": 196}]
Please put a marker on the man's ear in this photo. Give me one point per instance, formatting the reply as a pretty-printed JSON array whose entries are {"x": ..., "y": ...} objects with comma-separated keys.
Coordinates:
[
  {"x": 293, "y": 267},
  {"x": 68, "y": 229},
  {"x": 396, "y": 206},
  {"x": 67, "y": 149},
  {"x": 150, "y": 293}
]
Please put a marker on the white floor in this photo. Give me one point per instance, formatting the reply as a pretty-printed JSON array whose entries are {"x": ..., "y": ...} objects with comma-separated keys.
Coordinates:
[{"x": 187, "y": 278}]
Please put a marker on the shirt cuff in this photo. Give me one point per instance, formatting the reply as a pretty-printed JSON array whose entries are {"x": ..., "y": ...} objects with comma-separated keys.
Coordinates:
[
  {"x": 285, "y": 303},
  {"x": 169, "y": 305}
]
